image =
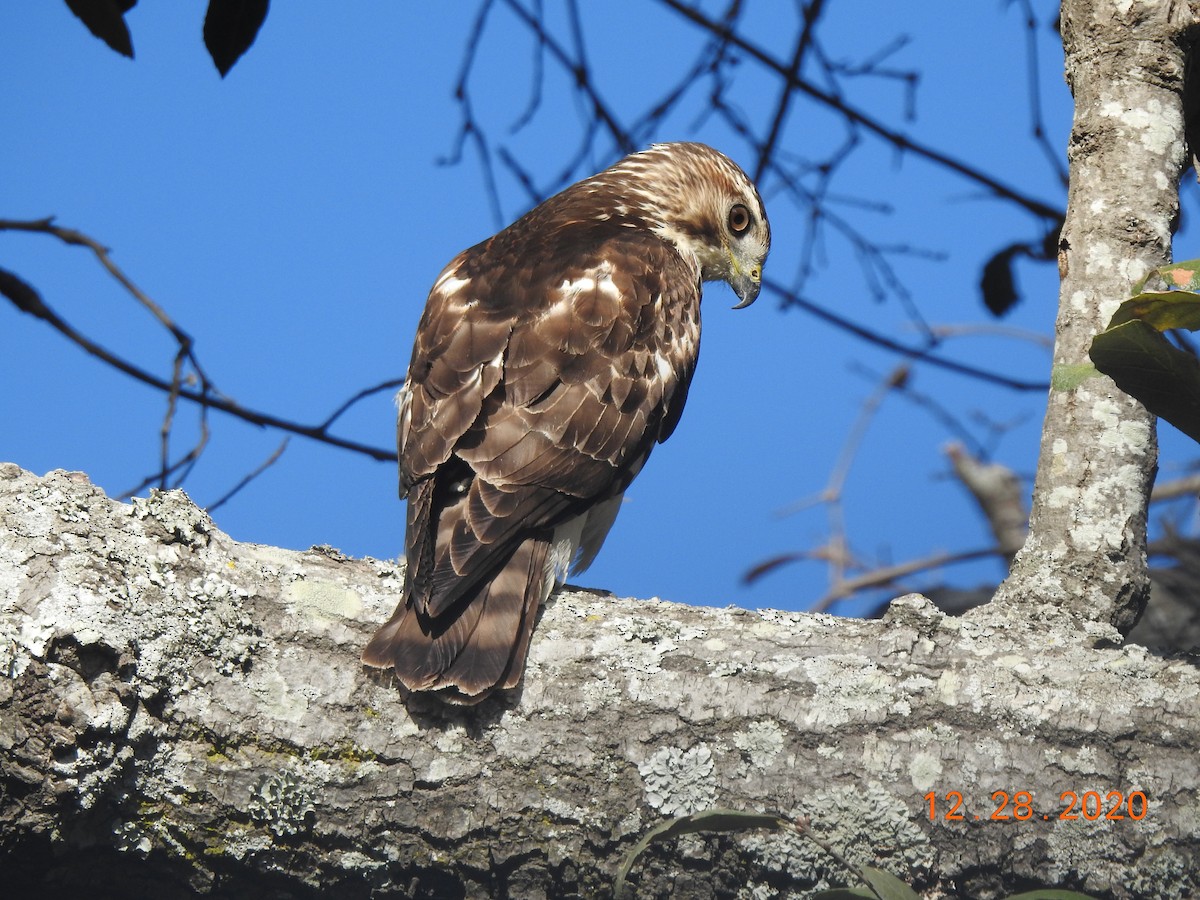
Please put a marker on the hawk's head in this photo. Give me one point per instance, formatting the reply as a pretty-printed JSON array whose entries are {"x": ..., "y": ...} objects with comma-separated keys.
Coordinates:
[{"x": 702, "y": 202}]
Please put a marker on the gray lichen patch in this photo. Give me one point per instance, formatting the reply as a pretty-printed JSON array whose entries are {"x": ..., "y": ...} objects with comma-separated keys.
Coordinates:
[
  {"x": 282, "y": 802},
  {"x": 1097, "y": 851},
  {"x": 869, "y": 825},
  {"x": 760, "y": 743},
  {"x": 323, "y": 603},
  {"x": 856, "y": 688},
  {"x": 88, "y": 741},
  {"x": 150, "y": 596},
  {"x": 171, "y": 517},
  {"x": 678, "y": 782}
]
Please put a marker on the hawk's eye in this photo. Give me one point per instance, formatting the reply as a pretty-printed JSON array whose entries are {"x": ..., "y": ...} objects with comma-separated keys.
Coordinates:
[{"x": 739, "y": 220}]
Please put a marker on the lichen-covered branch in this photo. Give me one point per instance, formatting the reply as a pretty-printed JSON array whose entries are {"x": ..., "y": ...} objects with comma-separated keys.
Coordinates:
[{"x": 182, "y": 712}]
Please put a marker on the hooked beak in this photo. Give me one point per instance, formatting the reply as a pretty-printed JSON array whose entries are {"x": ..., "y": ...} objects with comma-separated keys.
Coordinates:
[{"x": 746, "y": 287}]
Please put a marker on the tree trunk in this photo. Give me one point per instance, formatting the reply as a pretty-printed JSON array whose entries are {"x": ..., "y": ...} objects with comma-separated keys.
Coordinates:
[
  {"x": 1086, "y": 551},
  {"x": 183, "y": 713}
]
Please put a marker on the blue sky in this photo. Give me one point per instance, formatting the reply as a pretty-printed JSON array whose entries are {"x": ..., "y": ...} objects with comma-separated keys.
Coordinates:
[{"x": 292, "y": 217}]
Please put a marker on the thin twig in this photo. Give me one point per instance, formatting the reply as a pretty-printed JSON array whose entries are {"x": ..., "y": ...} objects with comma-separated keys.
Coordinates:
[
  {"x": 914, "y": 354},
  {"x": 995, "y": 329},
  {"x": 886, "y": 575},
  {"x": 896, "y": 139},
  {"x": 206, "y": 396},
  {"x": 578, "y": 69},
  {"x": 804, "y": 40},
  {"x": 390, "y": 384},
  {"x": 266, "y": 464}
]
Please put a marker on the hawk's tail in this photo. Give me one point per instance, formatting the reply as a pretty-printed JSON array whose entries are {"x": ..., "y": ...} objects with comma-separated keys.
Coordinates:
[{"x": 477, "y": 646}]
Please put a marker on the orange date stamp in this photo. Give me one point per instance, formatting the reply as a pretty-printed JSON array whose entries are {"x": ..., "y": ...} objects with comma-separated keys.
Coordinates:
[{"x": 1018, "y": 807}]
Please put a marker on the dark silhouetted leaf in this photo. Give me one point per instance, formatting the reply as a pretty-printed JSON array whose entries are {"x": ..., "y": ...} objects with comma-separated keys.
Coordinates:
[
  {"x": 709, "y": 820},
  {"x": 1145, "y": 365},
  {"x": 22, "y": 294},
  {"x": 230, "y": 27},
  {"x": 998, "y": 283},
  {"x": 106, "y": 20}
]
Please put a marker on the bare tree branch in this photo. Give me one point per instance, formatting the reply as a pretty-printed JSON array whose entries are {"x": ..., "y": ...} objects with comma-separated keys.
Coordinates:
[
  {"x": 914, "y": 354},
  {"x": 804, "y": 40},
  {"x": 900, "y": 141},
  {"x": 206, "y": 396},
  {"x": 205, "y": 733}
]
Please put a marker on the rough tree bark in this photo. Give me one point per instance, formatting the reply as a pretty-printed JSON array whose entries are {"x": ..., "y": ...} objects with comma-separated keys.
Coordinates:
[
  {"x": 1085, "y": 555},
  {"x": 182, "y": 712}
]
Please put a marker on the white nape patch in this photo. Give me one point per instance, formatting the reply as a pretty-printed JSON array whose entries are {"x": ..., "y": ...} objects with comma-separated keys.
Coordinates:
[{"x": 686, "y": 245}]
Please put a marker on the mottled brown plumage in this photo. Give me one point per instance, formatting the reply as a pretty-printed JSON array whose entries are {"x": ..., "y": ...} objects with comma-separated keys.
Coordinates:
[{"x": 549, "y": 361}]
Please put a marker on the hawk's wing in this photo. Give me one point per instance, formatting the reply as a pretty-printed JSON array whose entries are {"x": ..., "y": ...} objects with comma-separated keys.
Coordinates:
[{"x": 536, "y": 390}]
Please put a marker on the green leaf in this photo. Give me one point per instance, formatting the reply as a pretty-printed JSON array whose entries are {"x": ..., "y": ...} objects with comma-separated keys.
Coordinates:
[
  {"x": 1182, "y": 275},
  {"x": 1145, "y": 365},
  {"x": 1162, "y": 310},
  {"x": 709, "y": 820},
  {"x": 886, "y": 887},
  {"x": 1050, "y": 894}
]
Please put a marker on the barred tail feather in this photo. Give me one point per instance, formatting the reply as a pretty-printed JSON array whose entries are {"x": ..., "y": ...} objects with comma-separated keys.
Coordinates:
[{"x": 476, "y": 647}]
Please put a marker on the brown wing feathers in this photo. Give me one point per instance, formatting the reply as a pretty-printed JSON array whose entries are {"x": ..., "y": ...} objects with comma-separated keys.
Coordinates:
[
  {"x": 517, "y": 421},
  {"x": 548, "y": 362}
]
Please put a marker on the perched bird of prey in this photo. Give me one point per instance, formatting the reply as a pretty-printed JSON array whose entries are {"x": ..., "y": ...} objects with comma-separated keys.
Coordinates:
[{"x": 549, "y": 361}]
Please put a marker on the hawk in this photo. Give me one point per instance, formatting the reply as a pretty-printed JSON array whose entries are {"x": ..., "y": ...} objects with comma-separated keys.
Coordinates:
[{"x": 548, "y": 362}]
